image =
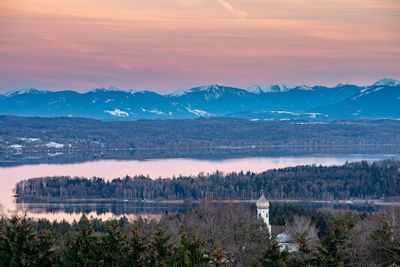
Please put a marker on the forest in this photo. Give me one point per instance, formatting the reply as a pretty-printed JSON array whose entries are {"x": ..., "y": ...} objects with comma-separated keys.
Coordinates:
[
  {"x": 26, "y": 140},
  {"x": 208, "y": 235},
  {"x": 360, "y": 180}
]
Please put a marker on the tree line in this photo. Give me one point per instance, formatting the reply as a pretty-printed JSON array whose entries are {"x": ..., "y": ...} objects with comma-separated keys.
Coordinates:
[
  {"x": 88, "y": 139},
  {"x": 175, "y": 134},
  {"x": 208, "y": 235},
  {"x": 361, "y": 180}
]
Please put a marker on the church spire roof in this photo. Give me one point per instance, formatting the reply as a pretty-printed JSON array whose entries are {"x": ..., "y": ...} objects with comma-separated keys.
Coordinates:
[{"x": 262, "y": 202}]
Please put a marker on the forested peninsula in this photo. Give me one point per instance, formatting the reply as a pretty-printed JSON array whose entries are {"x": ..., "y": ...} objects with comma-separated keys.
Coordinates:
[{"x": 361, "y": 180}]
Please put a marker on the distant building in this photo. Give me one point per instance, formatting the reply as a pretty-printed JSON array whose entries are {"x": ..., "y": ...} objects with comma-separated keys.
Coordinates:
[
  {"x": 283, "y": 239},
  {"x": 16, "y": 149},
  {"x": 286, "y": 243},
  {"x": 263, "y": 211}
]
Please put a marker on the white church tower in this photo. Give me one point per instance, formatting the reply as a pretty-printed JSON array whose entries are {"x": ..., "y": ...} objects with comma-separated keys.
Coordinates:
[{"x": 263, "y": 210}]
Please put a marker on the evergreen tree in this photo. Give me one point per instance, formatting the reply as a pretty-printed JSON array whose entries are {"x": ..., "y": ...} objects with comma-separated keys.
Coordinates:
[
  {"x": 82, "y": 249},
  {"x": 331, "y": 250},
  {"x": 272, "y": 256},
  {"x": 113, "y": 245},
  {"x": 21, "y": 245},
  {"x": 158, "y": 251},
  {"x": 217, "y": 257},
  {"x": 190, "y": 252},
  {"x": 136, "y": 249}
]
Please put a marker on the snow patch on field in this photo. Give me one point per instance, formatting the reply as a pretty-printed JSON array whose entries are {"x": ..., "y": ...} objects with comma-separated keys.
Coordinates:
[
  {"x": 54, "y": 145},
  {"x": 156, "y": 111},
  {"x": 198, "y": 112},
  {"x": 117, "y": 112},
  {"x": 16, "y": 146},
  {"x": 25, "y": 139},
  {"x": 285, "y": 112},
  {"x": 310, "y": 115},
  {"x": 55, "y": 154}
]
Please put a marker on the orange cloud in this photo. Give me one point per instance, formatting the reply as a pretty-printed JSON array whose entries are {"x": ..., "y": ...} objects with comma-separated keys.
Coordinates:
[{"x": 228, "y": 7}]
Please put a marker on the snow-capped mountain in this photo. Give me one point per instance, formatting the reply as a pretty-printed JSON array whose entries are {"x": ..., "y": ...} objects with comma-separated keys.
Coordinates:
[
  {"x": 25, "y": 91},
  {"x": 387, "y": 82},
  {"x": 112, "y": 88},
  {"x": 277, "y": 88},
  {"x": 381, "y": 99}
]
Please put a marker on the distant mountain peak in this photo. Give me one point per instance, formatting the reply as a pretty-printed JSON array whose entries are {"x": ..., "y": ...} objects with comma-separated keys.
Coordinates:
[
  {"x": 279, "y": 101},
  {"x": 283, "y": 87},
  {"x": 212, "y": 87},
  {"x": 276, "y": 88},
  {"x": 112, "y": 88},
  {"x": 388, "y": 82},
  {"x": 257, "y": 89},
  {"x": 24, "y": 91},
  {"x": 305, "y": 87}
]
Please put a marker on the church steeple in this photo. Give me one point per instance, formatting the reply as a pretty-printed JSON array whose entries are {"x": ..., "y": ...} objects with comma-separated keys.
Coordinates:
[{"x": 263, "y": 210}]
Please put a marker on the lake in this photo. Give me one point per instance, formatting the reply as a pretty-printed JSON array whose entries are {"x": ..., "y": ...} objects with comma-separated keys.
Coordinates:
[{"x": 110, "y": 169}]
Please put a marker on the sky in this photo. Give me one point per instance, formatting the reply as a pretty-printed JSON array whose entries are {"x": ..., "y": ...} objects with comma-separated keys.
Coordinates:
[{"x": 166, "y": 45}]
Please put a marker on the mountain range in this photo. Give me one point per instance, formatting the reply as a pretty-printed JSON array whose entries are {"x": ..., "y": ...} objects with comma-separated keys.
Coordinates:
[{"x": 279, "y": 102}]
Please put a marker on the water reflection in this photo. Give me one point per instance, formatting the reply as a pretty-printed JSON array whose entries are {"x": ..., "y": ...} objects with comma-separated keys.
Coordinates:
[
  {"x": 66, "y": 155},
  {"x": 103, "y": 207},
  {"x": 76, "y": 216},
  {"x": 71, "y": 211}
]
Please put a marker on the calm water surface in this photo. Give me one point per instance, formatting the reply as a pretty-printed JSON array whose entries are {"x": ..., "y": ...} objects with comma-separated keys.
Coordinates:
[{"x": 110, "y": 169}]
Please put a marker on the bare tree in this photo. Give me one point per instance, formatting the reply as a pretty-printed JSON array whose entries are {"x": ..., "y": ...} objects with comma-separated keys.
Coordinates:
[
  {"x": 232, "y": 226},
  {"x": 375, "y": 241},
  {"x": 303, "y": 232}
]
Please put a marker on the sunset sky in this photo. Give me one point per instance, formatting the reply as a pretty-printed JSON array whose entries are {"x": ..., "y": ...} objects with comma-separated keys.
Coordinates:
[{"x": 165, "y": 45}]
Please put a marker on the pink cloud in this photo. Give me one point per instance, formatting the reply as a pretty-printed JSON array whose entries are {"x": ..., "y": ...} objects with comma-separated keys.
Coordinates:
[{"x": 177, "y": 44}]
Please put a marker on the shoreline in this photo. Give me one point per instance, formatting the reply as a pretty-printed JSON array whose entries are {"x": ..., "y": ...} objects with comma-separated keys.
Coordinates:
[{"x": 52, "y": 201}]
